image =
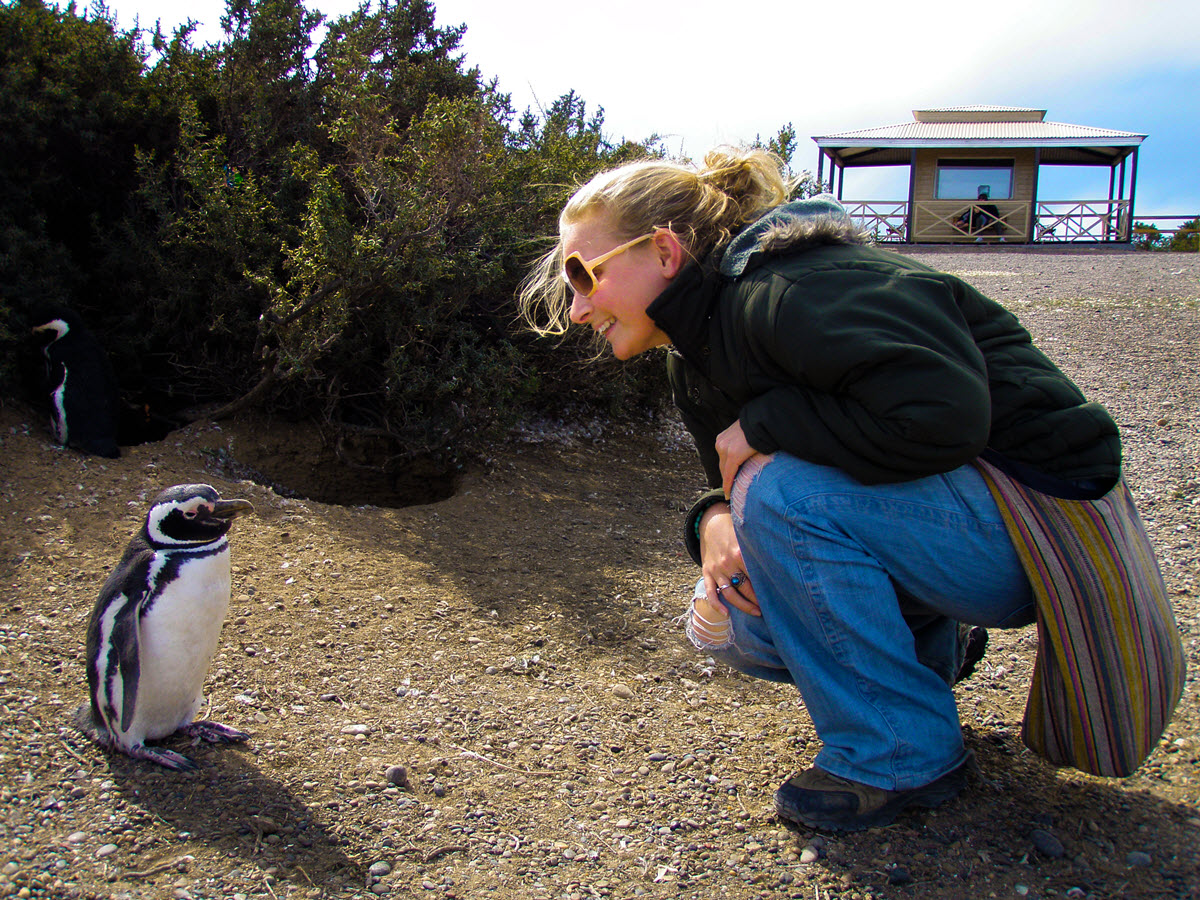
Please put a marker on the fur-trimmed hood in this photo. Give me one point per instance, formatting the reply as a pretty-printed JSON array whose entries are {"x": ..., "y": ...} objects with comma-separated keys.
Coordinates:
[{"x": 800, "y": 224}]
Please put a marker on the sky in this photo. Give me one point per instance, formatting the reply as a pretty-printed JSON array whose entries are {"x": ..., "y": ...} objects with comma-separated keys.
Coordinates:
[{"x": 700, "y": 73}]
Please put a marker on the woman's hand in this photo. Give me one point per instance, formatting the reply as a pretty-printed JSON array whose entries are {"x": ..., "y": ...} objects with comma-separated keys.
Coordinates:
[
  {"x": 732, "y": 449},
  {"x": 725, "y": 577}
]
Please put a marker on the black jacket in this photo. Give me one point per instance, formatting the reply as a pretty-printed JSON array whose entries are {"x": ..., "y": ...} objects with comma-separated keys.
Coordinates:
[{"x": 862, "y": 359}]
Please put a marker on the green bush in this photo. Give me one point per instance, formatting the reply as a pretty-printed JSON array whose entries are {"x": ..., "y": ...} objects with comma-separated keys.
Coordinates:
[
  {"x": 333, "y": 232},
  {"x": 1187, "y": 238}
]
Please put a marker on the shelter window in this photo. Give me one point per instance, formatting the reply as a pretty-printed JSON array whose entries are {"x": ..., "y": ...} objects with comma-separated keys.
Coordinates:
[{"x": 966, "y": 179}]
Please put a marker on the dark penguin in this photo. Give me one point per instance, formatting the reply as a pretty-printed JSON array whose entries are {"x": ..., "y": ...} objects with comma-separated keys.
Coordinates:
[
  {"x": 83, "y": 390},
  {"x": 155, "y": 627}
]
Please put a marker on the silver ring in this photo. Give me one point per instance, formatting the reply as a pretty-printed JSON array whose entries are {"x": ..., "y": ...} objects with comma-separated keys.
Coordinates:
[
  {"x": 737, "y": 579},
  {"x": 722, "y": 587}
]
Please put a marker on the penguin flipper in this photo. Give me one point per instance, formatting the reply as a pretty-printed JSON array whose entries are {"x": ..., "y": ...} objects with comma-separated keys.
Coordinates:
[
  {"x": 213, "y": 732},
  {"x": 125, "y": 638}
]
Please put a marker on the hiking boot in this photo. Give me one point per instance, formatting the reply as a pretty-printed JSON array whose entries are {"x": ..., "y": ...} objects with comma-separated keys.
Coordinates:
[
  {"x": 820, "y": 800},
  {"x": 973, "y": 639}
]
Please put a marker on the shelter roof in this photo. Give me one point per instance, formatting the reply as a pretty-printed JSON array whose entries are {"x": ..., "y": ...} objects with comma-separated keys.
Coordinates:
[{"x": 980, "y": 127}]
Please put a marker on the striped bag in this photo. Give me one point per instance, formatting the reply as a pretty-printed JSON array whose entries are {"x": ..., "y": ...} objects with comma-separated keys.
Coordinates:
[{"x": 1110, "y": 665}]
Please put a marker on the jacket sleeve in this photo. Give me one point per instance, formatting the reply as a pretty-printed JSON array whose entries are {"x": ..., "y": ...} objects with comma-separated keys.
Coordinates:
[
  {"x": 876, "y": 374},
  {"x": 703, "y": 422}
]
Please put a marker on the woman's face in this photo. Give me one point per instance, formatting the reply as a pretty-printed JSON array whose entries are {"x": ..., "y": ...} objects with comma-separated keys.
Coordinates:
[{"x": 625, "y": 285}]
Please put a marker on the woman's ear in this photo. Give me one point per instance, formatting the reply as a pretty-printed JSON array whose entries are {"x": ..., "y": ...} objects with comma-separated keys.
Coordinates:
[{"x": 672, "y": 255}]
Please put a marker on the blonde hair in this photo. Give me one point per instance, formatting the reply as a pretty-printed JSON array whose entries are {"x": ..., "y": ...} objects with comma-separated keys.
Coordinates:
[{"x": 703, "y": 205}]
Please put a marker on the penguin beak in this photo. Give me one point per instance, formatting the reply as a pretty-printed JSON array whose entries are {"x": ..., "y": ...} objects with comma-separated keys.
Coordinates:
[{"x": 231, "y": 509}]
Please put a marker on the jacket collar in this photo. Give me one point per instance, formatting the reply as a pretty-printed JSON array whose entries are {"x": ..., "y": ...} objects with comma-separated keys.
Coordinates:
[
  {"x": 685, "y": 308},
  {"x": 817, "y": 220}
]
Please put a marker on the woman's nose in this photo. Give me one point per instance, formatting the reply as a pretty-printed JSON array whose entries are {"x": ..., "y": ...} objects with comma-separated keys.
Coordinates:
[{"x": 581, "y": 308}]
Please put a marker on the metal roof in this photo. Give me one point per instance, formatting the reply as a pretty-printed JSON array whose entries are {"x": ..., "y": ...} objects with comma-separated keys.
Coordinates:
[{"x": 980, "y": 127}]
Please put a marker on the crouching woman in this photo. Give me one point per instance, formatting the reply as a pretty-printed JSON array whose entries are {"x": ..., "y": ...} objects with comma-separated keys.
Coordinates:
[{"x": 843, "y": 400}]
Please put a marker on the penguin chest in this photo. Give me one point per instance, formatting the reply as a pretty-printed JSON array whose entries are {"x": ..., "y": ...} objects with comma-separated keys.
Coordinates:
[
  {"x": 177, "y": 637},
  {"x": 58, "y": 401}
]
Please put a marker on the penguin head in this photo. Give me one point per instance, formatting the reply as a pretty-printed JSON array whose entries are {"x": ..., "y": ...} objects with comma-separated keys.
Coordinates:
[
  {"x": 53, "y": 321},
  {"x": 51, "y": 330},
  {"x": 191, "y": 515}
]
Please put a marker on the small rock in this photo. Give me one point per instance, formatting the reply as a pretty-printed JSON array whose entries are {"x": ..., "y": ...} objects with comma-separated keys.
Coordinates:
[
  {"x": 899, "y": 875},
  {"x": 623, "y": 691},
  {"x": 379, "y": 869},
  {"x": 1047, "y": 844},
  {"x": 77, "y": 837},
  {"x": 106, "y": 850},
  {"x": 356, "y": 729},
  {"x": 397, "y": 775},
  {"x": 810, "y": 854},
  {"x": 1138, "y": 858},
  {"x": 264, "y": 824}
]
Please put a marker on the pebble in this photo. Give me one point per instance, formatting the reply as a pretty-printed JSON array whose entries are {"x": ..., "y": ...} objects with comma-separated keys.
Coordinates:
[
  {"x": 1138, "y": 858},
  {"x": 397, "y": 775},
  {"x": 106, "y": 850},
  {"x": 356, "y": 729},
  {"x": 899, "y": 875},
  {"x": 624, "y": 691},
  {"x": 379, "y": 869},
  {"x": 1047, "y": 844}
]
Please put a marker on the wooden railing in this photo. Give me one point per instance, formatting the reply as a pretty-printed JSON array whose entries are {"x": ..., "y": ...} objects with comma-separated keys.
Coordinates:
[
  {"x": 885, "y": 220},
  {"x": 1061, "y": 221},
  {"x": 1153, "y": 227},
  {"x": 937, "y": 221},
  {"x": 1102, "y": 221}
]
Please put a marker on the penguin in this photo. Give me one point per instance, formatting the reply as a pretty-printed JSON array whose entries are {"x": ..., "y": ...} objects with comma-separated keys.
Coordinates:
[
  {"x": 155, "y": 627},
  {"x": 84, "y": 399}
]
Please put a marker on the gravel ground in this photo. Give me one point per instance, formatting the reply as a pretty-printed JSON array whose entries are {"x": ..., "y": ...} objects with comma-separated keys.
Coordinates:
[{"x": 487, "y": 696}]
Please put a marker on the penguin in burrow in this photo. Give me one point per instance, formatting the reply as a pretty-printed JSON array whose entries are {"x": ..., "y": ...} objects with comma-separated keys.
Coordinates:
[
  {"x": 156, "y": 625},
  {"x": 83, "y": 393}
]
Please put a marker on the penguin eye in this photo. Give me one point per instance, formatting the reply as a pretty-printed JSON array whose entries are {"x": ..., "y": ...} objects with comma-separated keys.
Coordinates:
[{"x": 190, "y": 514}]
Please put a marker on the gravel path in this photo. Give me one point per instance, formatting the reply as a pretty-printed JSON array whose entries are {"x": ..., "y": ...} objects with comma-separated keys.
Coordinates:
[
  {"x": 1039, "y": 274},
  {"x": 489, "y": 696}
]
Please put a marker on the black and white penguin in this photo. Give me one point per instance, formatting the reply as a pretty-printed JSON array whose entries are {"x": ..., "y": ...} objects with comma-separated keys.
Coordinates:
[
  {"x": 156, "y": 624},
  {"x": 84, "y": 399}
]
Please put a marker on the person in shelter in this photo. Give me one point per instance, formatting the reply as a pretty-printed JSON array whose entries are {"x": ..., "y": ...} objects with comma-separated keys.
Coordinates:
[
  {"x": 841, "y": 398},
  {"x": 981, "y": 217}
]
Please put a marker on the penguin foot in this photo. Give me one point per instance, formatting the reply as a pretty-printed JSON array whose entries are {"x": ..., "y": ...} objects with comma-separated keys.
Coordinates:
[
  {"x": 176, "y": 762},
  {"x": 213, "y": 732}
]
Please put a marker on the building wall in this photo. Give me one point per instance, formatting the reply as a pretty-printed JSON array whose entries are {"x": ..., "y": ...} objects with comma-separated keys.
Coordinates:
[{"x": 932, "y": 218}]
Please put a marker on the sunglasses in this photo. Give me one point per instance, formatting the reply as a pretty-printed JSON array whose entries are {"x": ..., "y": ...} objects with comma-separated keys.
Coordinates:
[{"x": 580, "y": 273}]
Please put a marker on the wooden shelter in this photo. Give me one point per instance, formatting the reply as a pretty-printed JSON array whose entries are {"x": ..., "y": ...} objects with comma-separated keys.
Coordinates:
[{"x": 958, "y": 154}]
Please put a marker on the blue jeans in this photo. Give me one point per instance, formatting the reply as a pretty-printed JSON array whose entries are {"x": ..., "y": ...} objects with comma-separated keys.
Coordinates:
[{"x": 861, "y": 588}]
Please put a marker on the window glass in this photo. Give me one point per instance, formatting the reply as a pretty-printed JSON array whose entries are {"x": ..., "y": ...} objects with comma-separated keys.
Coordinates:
[{"x": 967, "y": 179}]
